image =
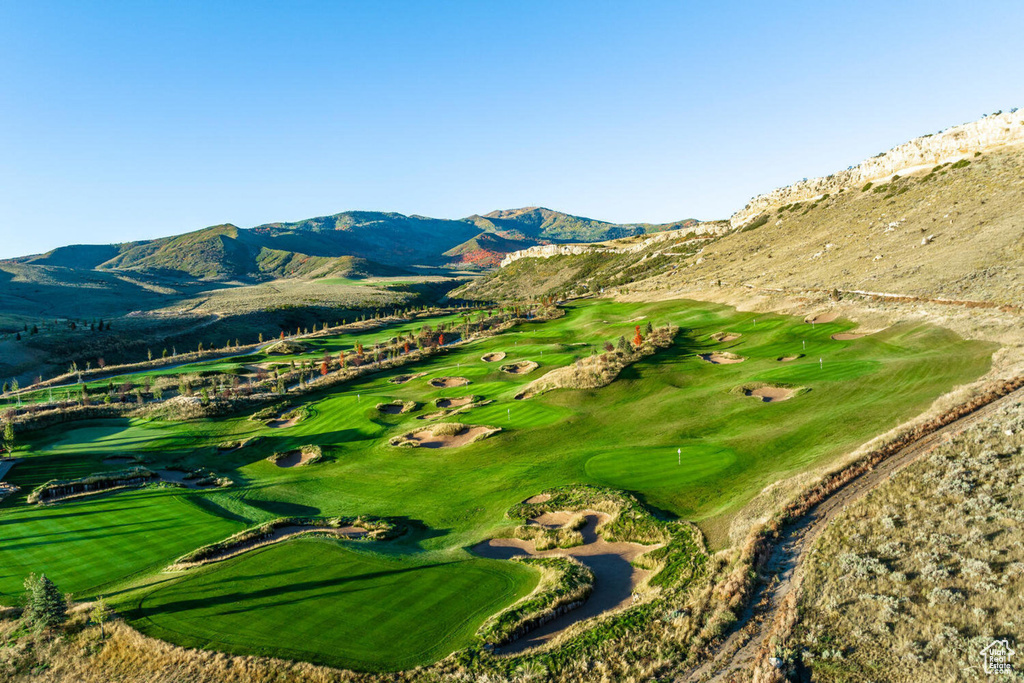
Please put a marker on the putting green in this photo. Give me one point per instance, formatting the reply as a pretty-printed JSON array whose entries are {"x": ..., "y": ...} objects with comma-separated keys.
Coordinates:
[{"x": 315, "y": 600}]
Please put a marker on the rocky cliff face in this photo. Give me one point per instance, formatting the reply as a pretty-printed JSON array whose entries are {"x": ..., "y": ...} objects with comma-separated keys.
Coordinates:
[
  {"x": 549, "y": 250},
  {"x": 983, "y": 135}
]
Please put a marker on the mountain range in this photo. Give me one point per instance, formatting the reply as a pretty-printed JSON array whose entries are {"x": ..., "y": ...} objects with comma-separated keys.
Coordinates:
[{"x": 348, "y": 244}]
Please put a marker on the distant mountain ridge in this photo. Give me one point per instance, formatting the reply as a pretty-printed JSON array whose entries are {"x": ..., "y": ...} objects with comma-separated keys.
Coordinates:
[{"x": 347, "y": 244}]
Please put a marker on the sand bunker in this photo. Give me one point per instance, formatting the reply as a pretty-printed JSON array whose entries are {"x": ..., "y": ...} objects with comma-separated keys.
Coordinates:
[
  {"x": 448, "y": 382},
  {"x": 493, "y": 357},
  {"x": 523, "y": 367},
  {"x": 615, "y": 578},
  {"x": 539, "y": 498},
  {"x": 433, "y": 416},
  {"x": 788, "y": 359},
  {"x": 178, "y": 477},
  {"x": 771, "y": 394},
  {"x": 402, "y": 379},
  {"x": 281, "y": 423},
  {"x": 822, "y": 317},
  {"x": 722, "y": 358},
  {"x": 453, "y": 402},
  {"x": 445, "y": 435},
  {"x": 726, "y": 336},
  {"x": 295, "y": 458},
  {"x": 846, "y": 336},
  {"x": 396, "y": 407}
]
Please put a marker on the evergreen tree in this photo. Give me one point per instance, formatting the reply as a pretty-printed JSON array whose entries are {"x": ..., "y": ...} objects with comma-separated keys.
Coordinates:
[
  {"x": 9, "y": 440},
  {"x": 45, "y": 607}
]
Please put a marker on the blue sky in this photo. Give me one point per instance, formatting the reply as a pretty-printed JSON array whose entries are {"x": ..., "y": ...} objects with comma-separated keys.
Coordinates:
[{"x": 123, "y": 121}]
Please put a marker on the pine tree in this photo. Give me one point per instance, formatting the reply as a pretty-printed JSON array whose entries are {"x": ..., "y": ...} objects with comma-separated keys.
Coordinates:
[
  {"x": 45, "y": 607},
  {"x": 9, "y": 440}
]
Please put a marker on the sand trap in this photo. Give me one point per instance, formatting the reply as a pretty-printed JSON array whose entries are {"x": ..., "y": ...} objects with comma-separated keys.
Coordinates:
[
  {"x": 523, "y": 367},
  {"x": 771, "y": 394},
  {"x": 722, "y": 358},
  {"x": 615, "y": 578},
  {"x": 789, "y": 359},
  {"x": 822, "y": 317},
  {"x": 523, "y": 395},
  {"x": 402, "y": 379},
  {"x": 493, "y": 357},
  {"x": 448, "y": 382},
  {"x": 453, "y": 402},
  {"x": 276, "y": 536},
  {"x": 178, "y": 477},
  {"x": 726, "y": 336},
  {"x": 427, "y": 438},
  {"x": 397, "y": 407},
  {"x": 294, "y": 459},
  {"x": 279, "y": 423},
  {"x": 433, "y": 416},
  {"x": 539, "y": 498},
  {"x": 847, "y": 336}
]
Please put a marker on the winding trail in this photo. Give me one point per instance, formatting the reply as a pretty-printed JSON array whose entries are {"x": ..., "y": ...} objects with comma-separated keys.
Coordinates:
[{"x": 739, "y": 650}]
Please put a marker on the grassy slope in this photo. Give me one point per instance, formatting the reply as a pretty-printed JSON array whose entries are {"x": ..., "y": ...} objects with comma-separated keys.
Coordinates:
[
  {"x": 624, "y": 435},
  {"x": 306, "y": 584}
]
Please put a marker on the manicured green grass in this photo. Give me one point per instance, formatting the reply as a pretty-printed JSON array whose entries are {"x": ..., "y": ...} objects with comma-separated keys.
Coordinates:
[
  {"x": 86, "y": 545},
  {"x": 625, "y": 435},
  {"x": 315, "y": 600}
]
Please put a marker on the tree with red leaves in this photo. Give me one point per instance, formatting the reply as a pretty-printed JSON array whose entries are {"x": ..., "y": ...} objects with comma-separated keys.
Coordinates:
[
  {"x": 440, "y": 340},
  {"x": 323, "y": 368},
  {"x": 341, "y": 359},
  {"x": 638, "y": 339},
  {"x": 282, "y": 334},
  {"x": 406, "y": 347}
]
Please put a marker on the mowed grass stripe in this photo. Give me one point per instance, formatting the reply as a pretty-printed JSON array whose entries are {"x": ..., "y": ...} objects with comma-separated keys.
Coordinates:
[{"x": 315, "y": 600}]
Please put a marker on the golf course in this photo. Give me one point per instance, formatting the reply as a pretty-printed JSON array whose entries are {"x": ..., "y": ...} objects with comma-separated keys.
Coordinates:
[{"x": 694, "y": 431}]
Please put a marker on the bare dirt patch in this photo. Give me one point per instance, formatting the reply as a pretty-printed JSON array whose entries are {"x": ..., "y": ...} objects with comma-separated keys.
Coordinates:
[
  {"x": 722, "y": 358},
  {"x": 448, "y": 382},
  {"x": 847, "y": 336},
  {"x": 523, "y": 367},
  {"x": 771, "y": 394},
  {"x": 822, "y": 317},
  {"x": 453, "y": 402},
  {"x": 493, "y": 357},
  {"x": 726, "y": 336},
  {"x": 615, "y": 578}
]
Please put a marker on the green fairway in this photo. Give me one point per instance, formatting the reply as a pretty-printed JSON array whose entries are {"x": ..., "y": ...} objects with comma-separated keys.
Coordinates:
[
  {"x": 86, "y": 545},
  {"x": 672, "y": 428},
  {"x": 315, "y": 600}
]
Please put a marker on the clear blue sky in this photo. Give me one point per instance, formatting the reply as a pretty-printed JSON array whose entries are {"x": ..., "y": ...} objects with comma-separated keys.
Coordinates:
[{"x": 122, "y": 121}]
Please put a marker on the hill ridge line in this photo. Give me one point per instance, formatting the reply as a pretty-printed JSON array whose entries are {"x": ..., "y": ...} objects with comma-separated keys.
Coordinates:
[{"x": 989, "y": 132}]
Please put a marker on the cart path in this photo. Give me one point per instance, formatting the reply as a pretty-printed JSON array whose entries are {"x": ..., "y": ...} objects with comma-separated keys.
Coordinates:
[{"x": 786, "y": 565}]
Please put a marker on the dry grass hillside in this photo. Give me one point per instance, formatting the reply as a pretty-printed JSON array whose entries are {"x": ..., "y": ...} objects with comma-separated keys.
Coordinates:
[
  {"x": 955, "y": 231},
  {"x": 926, "y": 571}
]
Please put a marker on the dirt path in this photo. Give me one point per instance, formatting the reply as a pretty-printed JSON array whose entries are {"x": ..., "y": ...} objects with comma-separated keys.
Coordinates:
[
  {"x": 786, "y": 564},
  {"x": 614, "y": 577}
]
